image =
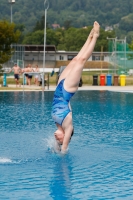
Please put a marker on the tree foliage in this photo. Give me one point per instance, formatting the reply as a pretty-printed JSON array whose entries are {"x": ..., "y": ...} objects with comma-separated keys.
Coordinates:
[
  {"x": 76, "y": 13},
  {"x": 40, "y": 24},
  {"x": 71, "y": 39},
  {"x": 8, "y": 36},
  {"x": 79, "y": 12},
  {"x": 21, "y": 28}
]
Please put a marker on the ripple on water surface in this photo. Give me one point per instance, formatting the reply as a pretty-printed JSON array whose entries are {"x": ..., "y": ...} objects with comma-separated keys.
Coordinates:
[{"x": 98, "y": 164}]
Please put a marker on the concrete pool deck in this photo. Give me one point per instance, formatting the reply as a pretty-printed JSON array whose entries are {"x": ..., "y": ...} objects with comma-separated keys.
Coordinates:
[{"x": 12, "y": 87}]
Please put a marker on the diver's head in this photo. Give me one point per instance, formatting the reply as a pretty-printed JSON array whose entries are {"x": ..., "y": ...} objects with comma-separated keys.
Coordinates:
[{"x": 59, "y": 136}]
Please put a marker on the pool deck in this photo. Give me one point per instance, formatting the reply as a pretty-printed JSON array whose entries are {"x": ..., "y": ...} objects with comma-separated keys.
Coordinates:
[{"x": 84, "y": 87}]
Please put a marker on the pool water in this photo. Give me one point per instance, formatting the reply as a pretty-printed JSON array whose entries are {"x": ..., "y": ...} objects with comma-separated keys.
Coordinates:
[{"x": 99, "y": 163}]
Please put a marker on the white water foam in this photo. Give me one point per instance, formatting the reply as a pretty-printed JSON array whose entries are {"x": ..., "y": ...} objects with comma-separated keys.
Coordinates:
[
  {"x": 52, "y": 145},
  {"x": 5, "y": 160}
]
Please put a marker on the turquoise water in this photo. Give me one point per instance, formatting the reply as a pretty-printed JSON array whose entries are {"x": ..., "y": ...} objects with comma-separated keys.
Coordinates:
[{"x": 99, "y": 164}]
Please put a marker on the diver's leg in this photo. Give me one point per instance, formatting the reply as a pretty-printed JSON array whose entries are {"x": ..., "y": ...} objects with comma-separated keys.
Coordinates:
[
  {"x": 72, "y": 80},
  {"x": 67, "y": 70}
]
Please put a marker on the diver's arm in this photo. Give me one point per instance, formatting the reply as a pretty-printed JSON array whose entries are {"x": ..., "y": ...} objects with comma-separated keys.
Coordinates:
[
  {"x": 68, "y": 128},
  {"x": 66, "y": 140}
]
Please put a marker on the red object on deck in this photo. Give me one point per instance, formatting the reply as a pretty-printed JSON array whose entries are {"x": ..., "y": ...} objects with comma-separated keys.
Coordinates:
[{"x": 102, "y": 80}]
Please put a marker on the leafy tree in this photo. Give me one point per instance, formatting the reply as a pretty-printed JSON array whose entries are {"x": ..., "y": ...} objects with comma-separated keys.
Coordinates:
[
  {"x": 36, "y": 37},
  {"x": 126, "y": 23},
  {"x": 74, "y": 39},
  {"x": 71, "y": 39},
  {"x": 102, "y": 40},
  {"x": 130, "y": 48},
  {"x": 1, "y": 70},
  {"x": 67, "y": 24},
  {"x": 40, "y": 24},
  {"x": 21, "y": 28},
  {"x": 105, "y": 11},
  {"x": 52, "y": 37},
  {"x": 130, "y": 37},
  {"x": 8, "y": 36}
]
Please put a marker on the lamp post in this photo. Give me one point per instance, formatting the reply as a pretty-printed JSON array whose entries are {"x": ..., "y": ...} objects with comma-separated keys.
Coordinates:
[
  {"x": 11, "y": 2},
  {"x": 46, "y": 6}
]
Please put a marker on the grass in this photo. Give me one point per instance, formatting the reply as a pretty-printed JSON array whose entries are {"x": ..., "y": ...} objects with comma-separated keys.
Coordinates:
[{"x": 87, "y": 78}]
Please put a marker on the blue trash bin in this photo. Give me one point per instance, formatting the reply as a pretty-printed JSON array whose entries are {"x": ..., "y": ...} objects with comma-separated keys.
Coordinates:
[{"x": 109, "y": 80}]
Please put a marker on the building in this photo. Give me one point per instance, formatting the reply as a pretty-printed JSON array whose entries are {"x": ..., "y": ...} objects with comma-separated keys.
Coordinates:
[
  {"x": 108, "y": 28},
  {"x": 55, "y": 26},
  {"x": 34, "y": 54}
]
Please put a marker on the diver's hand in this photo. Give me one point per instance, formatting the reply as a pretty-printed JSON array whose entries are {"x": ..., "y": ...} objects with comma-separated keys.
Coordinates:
[{"x": 64, "y": 151}]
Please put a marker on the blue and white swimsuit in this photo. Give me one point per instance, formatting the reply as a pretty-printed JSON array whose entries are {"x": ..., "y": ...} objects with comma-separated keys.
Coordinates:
[{"x": 60, "y": 106}]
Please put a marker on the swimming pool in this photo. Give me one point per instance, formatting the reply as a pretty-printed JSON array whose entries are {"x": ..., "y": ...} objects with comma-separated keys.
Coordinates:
[{"x": 100, "y": 159}]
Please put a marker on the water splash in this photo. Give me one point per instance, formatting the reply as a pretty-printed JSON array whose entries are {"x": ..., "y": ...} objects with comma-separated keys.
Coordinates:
[
  {"x": 5, "y": 160},
  {"x": 52, "y": 145}
]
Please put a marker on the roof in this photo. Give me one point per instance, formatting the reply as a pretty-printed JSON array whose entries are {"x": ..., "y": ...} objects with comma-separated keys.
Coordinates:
[
  {"x": 39, "y": 47},
  {"x": 56, "y": 25}
]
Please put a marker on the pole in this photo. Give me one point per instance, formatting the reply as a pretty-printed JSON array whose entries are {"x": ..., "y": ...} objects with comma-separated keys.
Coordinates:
[
  {"x": 101, "y": 57},
  {"x": 115, "y": 55},
  {"x": 23, "y": 81},
  {"x": 11, "y": 12},
  {"x": 48, "y": 81},
  {"x": 11, "y": 2},
  {"x": 44, "y": 49},
  {"x": 46, "y": 5},
  {"x": 125, "y": 56}
]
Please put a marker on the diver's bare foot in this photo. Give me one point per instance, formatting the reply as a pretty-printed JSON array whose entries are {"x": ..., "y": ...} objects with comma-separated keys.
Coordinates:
[
  {"x": 91, "y": 33},
  {"x": 96, "y": 29}
]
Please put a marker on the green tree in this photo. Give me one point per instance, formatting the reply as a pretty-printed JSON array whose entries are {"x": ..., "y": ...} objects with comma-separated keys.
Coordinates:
[
  {"x": 71, "y": 39},
  {"x": 8, "y": 36},
  {"x": 67, "y": 24},
  {"x": 74, "y": 38},
  {"x": 40, "y": 24},
  {"x": 36, "y": 37},
  {"x": 103, "y": 41},
  {"x": 1, "y": 71},
  {"x": 105, "y": 11},
  {"x": 130, "y": 55},
  {"x": 130, "y": 37},
  {"x": 21, "y": 28}
]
